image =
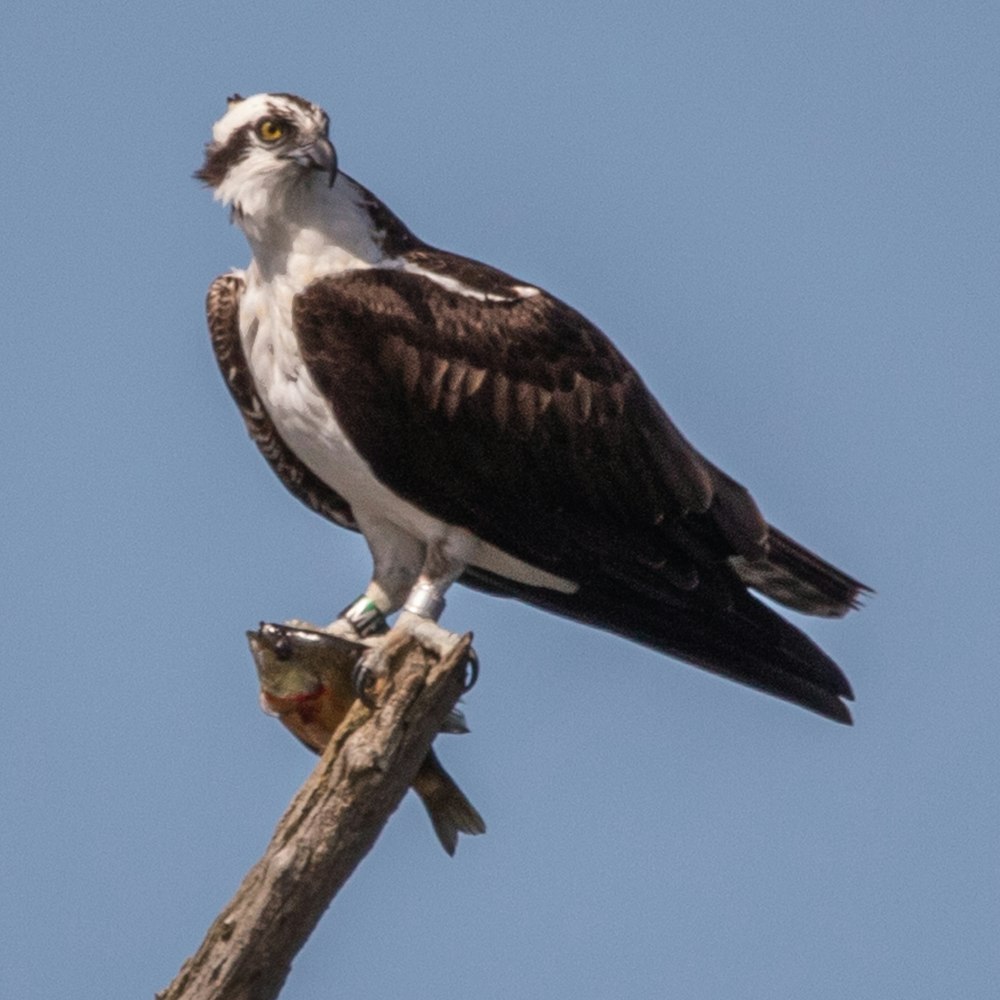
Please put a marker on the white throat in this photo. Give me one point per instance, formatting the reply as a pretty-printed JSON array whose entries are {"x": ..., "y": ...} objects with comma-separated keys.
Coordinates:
[
  {"x": 306, "y": 229},
  {"x": 302, "y": 232}
]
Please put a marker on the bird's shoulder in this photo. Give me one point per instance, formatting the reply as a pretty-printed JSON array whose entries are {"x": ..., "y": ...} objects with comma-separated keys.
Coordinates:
[{"x": 462, "y": 312}]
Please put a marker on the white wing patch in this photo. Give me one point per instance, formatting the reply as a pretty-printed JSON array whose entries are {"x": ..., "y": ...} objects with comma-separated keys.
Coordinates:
[{"x": 460, "y": 288}]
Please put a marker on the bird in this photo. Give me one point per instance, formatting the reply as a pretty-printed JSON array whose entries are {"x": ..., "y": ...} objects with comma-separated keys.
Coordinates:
[
  {"x": 475, "y": 428},
  {"x": 305, "y": 681}
]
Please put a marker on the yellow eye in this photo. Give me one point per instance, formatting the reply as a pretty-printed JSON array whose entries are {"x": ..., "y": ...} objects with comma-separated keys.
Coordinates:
[{"x": 270, "y": 130}]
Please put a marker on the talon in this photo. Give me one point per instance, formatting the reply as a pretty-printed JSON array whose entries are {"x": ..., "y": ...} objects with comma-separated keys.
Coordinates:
[
  {"x": 471, "y": 671},
  {"x": 363, "y": 681}
]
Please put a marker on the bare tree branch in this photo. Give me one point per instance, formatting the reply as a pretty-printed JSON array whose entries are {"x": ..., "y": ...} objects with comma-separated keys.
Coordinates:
[{"x": 331, "y": 824}]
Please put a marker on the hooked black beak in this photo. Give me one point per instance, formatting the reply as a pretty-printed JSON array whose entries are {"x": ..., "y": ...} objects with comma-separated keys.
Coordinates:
[{"x": 319, "y": 155}]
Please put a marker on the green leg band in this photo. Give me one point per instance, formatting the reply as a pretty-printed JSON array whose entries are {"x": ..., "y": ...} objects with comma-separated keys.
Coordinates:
[{"x": 365, "y": 616}]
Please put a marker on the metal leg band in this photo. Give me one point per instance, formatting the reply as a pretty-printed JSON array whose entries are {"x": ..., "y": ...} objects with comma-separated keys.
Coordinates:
[{"x": 424, "y": 600}]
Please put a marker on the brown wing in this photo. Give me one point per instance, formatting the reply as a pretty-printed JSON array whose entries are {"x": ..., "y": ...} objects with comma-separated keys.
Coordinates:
[{"x": 513, "y": 416}]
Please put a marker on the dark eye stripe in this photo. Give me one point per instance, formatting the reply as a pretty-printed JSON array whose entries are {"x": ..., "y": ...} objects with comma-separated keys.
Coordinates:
[{"x": 219, "y": 159}]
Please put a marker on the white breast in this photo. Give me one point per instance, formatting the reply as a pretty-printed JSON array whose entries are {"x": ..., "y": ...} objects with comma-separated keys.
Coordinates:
[{"x": 302, "y": 415}]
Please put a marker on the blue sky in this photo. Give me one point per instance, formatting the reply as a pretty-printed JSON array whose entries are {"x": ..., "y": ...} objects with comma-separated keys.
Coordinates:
[{"x": 787, "y": 216}]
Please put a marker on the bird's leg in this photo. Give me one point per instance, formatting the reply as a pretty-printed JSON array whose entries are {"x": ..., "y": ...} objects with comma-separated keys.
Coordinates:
[
  {"x": 433, "y": 637},
  {"x": 420, "y": 614},
  {"x": 418, "y": 621},
  {"x": 397, "y": 559},
  {"x": 361, "y": 619}
]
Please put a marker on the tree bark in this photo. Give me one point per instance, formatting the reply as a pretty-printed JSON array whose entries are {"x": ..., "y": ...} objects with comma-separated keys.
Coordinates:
[{"x": 331, "y": 824}]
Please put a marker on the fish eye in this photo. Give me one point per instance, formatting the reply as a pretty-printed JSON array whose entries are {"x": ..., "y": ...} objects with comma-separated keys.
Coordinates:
[
  {"x": 270, "y": 129},
  {"x": 283, "y": 649}
]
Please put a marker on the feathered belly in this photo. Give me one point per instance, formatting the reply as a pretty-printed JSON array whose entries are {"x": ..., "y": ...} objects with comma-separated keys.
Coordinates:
[{"x": 302, "y": 415}]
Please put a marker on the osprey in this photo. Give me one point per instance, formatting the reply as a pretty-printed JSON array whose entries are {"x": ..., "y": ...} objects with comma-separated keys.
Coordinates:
[{"x": 473, "y": 427}]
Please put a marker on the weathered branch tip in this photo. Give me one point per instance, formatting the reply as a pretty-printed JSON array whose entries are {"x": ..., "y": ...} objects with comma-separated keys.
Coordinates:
[{"x": 333, "y": 821}]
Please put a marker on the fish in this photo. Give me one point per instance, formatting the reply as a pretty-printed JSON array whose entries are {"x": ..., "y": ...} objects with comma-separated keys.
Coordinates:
[{"x": 306, "y": 681}]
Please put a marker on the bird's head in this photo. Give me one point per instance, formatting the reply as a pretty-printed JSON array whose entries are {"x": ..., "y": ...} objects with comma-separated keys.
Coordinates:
[{"x": 264, "y": 146}]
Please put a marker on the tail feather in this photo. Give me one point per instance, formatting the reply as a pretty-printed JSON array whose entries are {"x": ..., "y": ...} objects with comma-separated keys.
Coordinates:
[
  {"x": 746, "y": 642},
  {"x": 749, "y": 643},
  {"x": 792, "y": 575},
  {"x": 450, "y": 811}
]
